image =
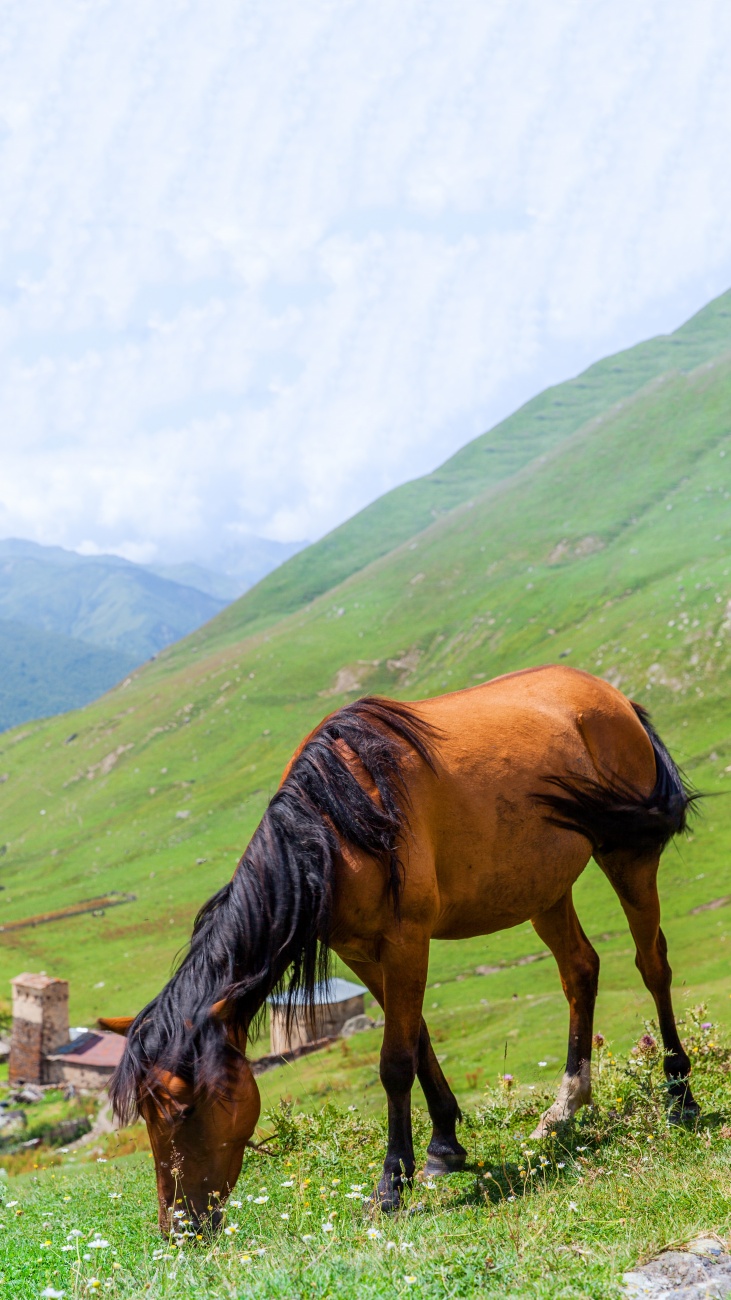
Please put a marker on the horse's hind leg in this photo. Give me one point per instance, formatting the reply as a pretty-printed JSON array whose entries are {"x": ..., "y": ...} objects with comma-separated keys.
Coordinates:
[
  {"x": 635, "y": 882},
  {"x": 578, "y": 966},
  {"x": 444, "y": 1153}
]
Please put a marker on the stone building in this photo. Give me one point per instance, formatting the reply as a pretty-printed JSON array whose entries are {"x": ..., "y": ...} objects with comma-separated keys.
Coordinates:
[
  {"x": 44, "y": 1050},
  {"x": 336, "y": 1002},
  {"x": 40, "y": 1023}
]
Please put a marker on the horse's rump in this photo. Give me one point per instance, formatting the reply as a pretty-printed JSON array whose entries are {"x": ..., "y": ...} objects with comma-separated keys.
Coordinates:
[{"x": 613, "y": 814}]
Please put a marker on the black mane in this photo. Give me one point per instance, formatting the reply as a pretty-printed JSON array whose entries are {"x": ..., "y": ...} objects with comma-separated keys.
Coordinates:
[{"x": 276, "y": 911}]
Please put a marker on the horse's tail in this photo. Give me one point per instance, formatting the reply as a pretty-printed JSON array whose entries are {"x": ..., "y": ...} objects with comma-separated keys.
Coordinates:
[{"x": 613, "y": 814}]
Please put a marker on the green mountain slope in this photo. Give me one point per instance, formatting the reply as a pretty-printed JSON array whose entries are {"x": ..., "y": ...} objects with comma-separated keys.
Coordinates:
[
  {"x": 609, "y": 551},
  {"x": 45, "y": 673},
  {"x": 485, "y": 462}
]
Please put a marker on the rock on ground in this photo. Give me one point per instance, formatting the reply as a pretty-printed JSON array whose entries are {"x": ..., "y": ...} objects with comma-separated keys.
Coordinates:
[{"x": 702, "y": 1270}]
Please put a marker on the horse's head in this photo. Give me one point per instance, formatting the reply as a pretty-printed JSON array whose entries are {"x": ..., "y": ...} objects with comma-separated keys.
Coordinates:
[{"x": 198, "y": 1135}]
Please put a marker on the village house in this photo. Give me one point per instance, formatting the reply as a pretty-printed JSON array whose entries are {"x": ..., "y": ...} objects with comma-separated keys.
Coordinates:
[{"x": 43, "y": 1047}]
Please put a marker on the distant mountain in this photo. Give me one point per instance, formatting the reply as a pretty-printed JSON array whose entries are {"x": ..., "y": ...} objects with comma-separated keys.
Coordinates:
[
  {"x": 229, "y": 572},
  {"x": 101, "y": 599},
  {"x": 42, "y": 673},
  {"x": 72, "y": 625}
]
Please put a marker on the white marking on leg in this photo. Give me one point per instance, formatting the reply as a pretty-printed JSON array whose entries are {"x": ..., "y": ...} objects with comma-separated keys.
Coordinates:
[{"x": 574, "y": 1092}]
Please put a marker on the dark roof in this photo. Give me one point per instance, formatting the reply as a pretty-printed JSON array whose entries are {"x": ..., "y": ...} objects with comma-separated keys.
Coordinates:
[{"x": 93, "y": 1049}]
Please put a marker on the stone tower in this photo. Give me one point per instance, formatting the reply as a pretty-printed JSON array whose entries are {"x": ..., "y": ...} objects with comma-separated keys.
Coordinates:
[{"x": 40, "y": 1023}]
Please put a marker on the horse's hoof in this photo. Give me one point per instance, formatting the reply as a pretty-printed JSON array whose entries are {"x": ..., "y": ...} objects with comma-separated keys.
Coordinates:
[
  {"x": 446, "y": 1162},
  {"x": 384, "y": 1200},
  {"x": 683, "y": 1110}
]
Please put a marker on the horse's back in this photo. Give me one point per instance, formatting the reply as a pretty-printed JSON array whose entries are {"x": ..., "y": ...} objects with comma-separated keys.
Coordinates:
[{"x": 553, "y": 714}]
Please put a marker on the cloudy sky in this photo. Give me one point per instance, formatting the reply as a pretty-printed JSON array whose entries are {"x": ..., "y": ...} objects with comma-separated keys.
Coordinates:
[{"x": 262, "y": 260}]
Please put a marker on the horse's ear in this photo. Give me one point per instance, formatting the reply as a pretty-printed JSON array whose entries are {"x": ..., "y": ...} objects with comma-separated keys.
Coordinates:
[{"x": 116, "y": 1024}]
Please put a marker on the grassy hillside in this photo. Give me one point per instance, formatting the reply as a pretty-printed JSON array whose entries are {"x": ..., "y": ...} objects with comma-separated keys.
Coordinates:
[
  {"x": 611, "y": 551},
  {"x": 488, "y": 461}
]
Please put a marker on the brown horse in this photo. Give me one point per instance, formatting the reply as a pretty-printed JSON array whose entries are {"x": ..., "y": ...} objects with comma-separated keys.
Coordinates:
[{"x": 395, "y": 824}]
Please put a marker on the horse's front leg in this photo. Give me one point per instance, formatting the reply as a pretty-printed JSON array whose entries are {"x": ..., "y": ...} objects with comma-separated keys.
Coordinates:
[
  {"x": 445, "y": 1152},
  {"x": 404, "y": 980}
]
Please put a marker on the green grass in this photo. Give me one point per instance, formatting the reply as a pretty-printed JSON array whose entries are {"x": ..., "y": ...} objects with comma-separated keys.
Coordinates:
[
  {"x": 608, "y": 549},
  {"x": 563, "y": 1217}
]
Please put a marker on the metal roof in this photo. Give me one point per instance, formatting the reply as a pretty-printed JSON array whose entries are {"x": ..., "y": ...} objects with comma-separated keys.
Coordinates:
[
  {"x": 329, "y": 994},
  {"x": 94, "y": 1049}
]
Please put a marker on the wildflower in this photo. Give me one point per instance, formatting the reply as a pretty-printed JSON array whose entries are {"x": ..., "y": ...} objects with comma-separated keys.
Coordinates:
[
  {"x": 100, "y": 1161},
  {"x": 51, "y": 1293},
  {"x": 328, "y": 1227},
  {"x": 430, "y": 1186},
  {"x": 582, "y": 1148},
  {"x": 373, "y": 1233},
  {"x": 236, "y": 1204},
  {"x": 352, "y": 1196},
  {"x": 647, "y": 1044},
  {"x": 260, "y": 1200},
  {"x": 245, "y": 1259},
  {"x": 261, "y": 1251},
  {"x": 67, "y": 1247},
  {"x": 357, "y": 1187},
  {"x": 573, "y": 1205},
  {"x": 561, "y": 1164},
  {"x": 93, "y": 1283},
  {"x": 508, "y": 1080},
  {"x": 335, "y": 1182},
  {"x": 44, "y": 1245},
  {"x": 390, "y": 1245},
  {"x": 284, "y": 1216},
  {"x": 307, "y": 1236},
  {"x": 115, "y": 1196},
  {"x": 67, "y": 1198},
  {"x": 598, "y": 1040},
  {"x": 9, "y": 1204},
  {"x": 542, "y": 1065},
  {"x": 487, "y": 1174},
  {"x": 230, "y": 1229},
  {"x": 707, "y": 1024},
  {"x": 75, "y": 1232},
  {"x": 288, "y": 1183},
  {"x": 650, "y": 1137},
  {"x": 511, "y": 1198},
  {"x": 409, "y": 1279},
  {"x": 333, "y": 1214}
]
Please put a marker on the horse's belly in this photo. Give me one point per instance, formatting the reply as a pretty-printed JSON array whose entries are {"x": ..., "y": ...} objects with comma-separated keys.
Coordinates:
[{"x": 501, "y": 878}]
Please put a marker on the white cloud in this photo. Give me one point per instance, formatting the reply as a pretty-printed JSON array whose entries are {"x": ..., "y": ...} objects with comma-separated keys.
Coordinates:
[{"x": 262, "y": 262}]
